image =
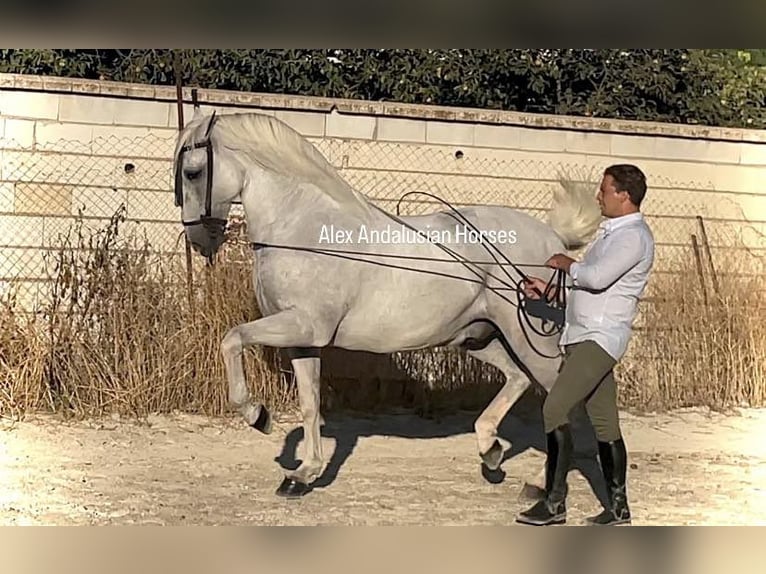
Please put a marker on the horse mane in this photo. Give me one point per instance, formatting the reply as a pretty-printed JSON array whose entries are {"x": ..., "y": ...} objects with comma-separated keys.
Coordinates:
[{"x": 276, "y": 147}]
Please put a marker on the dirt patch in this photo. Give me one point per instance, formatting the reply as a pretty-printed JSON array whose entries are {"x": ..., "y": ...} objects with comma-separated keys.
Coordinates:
[{"x": 688, "y": 468}]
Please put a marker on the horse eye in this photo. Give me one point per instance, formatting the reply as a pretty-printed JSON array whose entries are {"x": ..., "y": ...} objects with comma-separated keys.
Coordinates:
[{"x": 192, "y": 175}]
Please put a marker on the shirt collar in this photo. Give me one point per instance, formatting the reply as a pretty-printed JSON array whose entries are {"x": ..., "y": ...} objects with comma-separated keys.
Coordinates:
[{"x": 613, "y": 223}]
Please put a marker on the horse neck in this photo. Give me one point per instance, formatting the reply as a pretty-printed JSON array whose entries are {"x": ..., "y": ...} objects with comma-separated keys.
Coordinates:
[{"x": 279, "y": 211}]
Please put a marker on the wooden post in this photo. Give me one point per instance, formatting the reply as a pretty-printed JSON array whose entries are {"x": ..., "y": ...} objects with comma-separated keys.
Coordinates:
[
  {"x": 180, "y": 111},
  {"x": 706, "y": 245},
  {"x": 698, "y": 261}
]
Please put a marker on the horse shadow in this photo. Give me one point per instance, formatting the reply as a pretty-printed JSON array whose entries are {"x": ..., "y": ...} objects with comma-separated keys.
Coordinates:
[{"x": 522, "y": 426}]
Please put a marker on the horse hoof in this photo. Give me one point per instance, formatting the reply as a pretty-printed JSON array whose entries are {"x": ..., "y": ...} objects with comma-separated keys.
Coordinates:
[
  {"x": 494, "y": 456},
  {"x": 531, "y": 492},
  {"x": 493, "y": 476},
  {"x": 263, "y": 422},
  {"x": 291, "y": 488}
]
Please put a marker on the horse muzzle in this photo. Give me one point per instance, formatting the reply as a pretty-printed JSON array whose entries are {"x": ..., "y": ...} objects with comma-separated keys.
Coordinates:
[{"x": 207, "y": 235}]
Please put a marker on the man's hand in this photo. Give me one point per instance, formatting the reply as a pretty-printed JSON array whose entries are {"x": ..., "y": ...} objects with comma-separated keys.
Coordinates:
[
  {"x": 560, "y": 261},
  {"x": 530, "y": 284}
]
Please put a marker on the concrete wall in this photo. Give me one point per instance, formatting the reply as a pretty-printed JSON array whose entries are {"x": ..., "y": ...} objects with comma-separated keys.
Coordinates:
[{"x": 65, "y": 145}]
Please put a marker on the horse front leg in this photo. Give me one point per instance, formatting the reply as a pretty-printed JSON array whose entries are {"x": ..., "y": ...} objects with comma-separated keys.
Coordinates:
[
  {"x": 306, "y": 366},
  {"x": 289, "y": 330},
  {"x": 284, "y": 329}
]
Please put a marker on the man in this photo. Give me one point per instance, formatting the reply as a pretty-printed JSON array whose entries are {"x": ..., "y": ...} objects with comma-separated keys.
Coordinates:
[{"x": 602, "y": 306}]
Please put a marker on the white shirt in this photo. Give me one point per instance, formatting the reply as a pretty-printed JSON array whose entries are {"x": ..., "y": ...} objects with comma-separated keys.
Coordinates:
[{"x": 607, "y": 283}]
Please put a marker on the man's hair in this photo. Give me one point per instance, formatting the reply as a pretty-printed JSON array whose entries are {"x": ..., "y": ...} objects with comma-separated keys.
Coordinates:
[{"x": 629, "y": 178}]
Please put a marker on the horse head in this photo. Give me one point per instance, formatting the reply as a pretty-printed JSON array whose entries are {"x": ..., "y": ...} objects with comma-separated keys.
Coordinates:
[{"x": 206, "y": 184}]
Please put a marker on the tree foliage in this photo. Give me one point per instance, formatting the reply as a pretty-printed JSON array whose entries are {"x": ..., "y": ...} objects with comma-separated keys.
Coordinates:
[{"x": 708, "y": 87}]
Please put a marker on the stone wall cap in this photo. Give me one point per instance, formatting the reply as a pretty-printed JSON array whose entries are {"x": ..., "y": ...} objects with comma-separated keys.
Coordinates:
[{"x": 225, "y": 98}]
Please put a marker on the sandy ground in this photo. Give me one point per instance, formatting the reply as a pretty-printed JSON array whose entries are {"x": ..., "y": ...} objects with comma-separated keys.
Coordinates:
[{"x": 687, "y": 468}]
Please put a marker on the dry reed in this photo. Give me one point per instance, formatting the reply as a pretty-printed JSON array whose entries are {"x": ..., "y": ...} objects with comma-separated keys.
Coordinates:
[
  {"x": 703, "y": 344},
  {"x": 121, "y": 335}
]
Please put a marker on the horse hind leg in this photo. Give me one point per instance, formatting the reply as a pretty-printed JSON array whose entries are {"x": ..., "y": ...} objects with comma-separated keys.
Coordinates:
[{"x": 492, "y": 448}]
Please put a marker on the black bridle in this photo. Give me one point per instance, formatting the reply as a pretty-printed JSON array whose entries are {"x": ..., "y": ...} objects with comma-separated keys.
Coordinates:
[{"x": 212, "y": 224}]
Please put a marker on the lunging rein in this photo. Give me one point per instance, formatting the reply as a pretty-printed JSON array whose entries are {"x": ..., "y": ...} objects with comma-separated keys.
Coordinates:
[{"x": 550, "y": 309}]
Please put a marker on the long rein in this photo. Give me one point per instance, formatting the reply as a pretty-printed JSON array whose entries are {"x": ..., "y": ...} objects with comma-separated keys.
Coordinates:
[{"x": 549, "y": 309}]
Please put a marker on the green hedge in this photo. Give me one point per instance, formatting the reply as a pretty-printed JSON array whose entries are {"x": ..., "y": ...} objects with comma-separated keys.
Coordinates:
[{"x": 709, "y": 87}]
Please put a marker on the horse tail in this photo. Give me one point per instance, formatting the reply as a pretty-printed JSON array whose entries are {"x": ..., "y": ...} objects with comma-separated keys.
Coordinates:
[{"x": 575, "y": 213}]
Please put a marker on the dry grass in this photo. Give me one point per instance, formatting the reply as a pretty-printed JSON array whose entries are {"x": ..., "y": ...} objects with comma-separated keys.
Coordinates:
[
  {"x": 701, "y": 347},
  {"x": 22, "y": 360},
  {"x": 121, "y": 335}
]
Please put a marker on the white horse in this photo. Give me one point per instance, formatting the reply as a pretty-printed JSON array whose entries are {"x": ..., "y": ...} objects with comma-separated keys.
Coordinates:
[{"x": 396, "y": 294}]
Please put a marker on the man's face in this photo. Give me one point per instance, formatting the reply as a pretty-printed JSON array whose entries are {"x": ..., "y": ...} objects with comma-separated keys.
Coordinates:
[{"x": 610, "y": 200}]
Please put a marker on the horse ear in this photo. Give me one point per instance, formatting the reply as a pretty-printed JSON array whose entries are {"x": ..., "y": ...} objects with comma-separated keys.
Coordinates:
[
  {"x": 197, "y": 113},
  {"x": 210, "y": 122}
]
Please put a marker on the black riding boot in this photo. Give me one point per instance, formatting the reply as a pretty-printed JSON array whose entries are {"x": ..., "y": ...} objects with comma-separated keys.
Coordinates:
[
  {"x": 552, "y": 509},
  {"x": 614, "y": 463}
]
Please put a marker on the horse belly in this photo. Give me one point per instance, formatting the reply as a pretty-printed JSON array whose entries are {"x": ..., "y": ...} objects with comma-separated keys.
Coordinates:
[{"x": 398, "y": 320}]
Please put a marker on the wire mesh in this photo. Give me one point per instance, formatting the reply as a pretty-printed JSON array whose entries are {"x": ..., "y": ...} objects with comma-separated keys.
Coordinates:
[{"x": 44, "y": 188}]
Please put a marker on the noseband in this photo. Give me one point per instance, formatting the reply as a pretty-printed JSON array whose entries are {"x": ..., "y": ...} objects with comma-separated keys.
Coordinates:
[{"x": 206, "y": 219}]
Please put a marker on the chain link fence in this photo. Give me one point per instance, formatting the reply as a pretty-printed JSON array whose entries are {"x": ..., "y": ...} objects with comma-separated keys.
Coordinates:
[
  {"x": 48, "y": 190},
  {"x": 43, "y": 189}
]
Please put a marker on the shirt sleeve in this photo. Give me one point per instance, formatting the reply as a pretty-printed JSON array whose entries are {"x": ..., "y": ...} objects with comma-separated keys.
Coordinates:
[{"x": 623, "y": 252}]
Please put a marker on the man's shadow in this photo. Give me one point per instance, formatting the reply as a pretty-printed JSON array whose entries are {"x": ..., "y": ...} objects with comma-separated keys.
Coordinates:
[{"x": 347, "y": 372}]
